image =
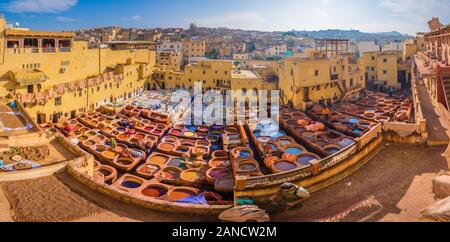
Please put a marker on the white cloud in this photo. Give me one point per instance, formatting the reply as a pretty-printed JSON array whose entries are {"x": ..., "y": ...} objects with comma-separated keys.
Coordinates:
[
  {"x": 246, "y": 20},
  {"x": 65, "y": 19},
  {"x": 133, "y": 18},
  {"x": 39, "y": 6},
  {"x": 416, "y": 7}
]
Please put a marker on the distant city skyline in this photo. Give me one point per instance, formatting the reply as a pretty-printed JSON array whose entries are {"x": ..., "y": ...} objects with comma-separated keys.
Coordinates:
[{"x": 404, "y": 16}]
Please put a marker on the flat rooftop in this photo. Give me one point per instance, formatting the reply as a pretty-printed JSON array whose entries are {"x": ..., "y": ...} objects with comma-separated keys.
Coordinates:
[{"x": 244, "y": 74}]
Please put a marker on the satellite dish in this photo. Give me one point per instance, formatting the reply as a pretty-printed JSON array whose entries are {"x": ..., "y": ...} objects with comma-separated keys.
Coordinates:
[{"x": 17, "y": 24}]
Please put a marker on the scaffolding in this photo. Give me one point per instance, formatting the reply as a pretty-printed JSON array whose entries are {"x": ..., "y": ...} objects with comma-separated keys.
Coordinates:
[{"x": 332, "y": 48}]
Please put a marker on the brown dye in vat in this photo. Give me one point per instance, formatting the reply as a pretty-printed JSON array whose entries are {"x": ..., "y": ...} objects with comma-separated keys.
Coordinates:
[{"x": 285, "y": 166}]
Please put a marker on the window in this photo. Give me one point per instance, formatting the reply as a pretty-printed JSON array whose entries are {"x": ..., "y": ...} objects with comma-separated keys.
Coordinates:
[
  {"x": 373, "y": 57},
  {"x": 385, "y": 60},
  {"x": 318, "y": 87},
  {"x": 58, "y": 101},
  {"x": 316, "y": 73},
  {"x": 385, "y": 72},
  {"x": 30, "y": 89}
]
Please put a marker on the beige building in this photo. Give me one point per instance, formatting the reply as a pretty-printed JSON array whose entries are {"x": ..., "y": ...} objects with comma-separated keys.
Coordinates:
[
  {"x": 318, "y": 79},
  {"x": 214, "y": 75},
  {"x": 172, "y": 59},
  {"x": 382, "y": 69},
  {"x": 194, "y": 48},
  {"x": 54, "y": 75}
]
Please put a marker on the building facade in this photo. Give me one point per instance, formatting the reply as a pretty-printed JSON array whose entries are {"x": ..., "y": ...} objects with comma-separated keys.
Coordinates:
[{"x": 56, "y": 76}]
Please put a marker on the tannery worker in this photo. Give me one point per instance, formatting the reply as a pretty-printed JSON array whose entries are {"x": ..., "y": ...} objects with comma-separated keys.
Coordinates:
[
  {"x": 327, "y": 112},
  {"x": 289, "y": 196}
]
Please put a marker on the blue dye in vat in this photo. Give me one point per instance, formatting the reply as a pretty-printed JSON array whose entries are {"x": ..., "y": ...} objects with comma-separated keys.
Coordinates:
[
  {"x": 244, "y": 154},
  {"x": 304, "y": 160},
  {"x": 346, "y": 142},
  {"x": 358, "y": 130},
  {"x": 131, "y": 184},
  {"x": 175, "y": 163},
  {"x": 353, "y": 121},
  {"x": 365, "y": 125},
  {"x": 332, "y": 150},
  {"x": 191, "y": 128},
  {"x": 294, "y": 151},
  {"x": 215, "y": 147},
  {"x": 277, "y": 135}
]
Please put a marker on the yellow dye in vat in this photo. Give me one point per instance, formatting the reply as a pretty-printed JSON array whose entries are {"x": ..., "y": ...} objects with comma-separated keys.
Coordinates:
[{"x": 158, "y": 160}]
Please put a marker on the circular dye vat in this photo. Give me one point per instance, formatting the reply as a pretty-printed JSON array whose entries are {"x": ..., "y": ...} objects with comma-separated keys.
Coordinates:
[
  {"x": 177, "y": 162},
  {"x": 244, "y": 154},
  {"x": 202, "y": 150},
  {"x": 218, "y": 173},
  {"x": 305, "y": 160},
  {"x": 345, "y": 142},
  {"x": 125, "y": 162},
  {"x": 176, "y": 132},
  {"x": 247, "y": 166},
  {"x": 82, "y": 138},
  {"x": 105, "y": 172},
  {"x": 284, "y": 166},
  {"x": 189, "y": 134},
  {"x": 109, "y": 154},
  {"x": 277, "y": 135},
  {"x": 171, "y": 173},
  {"x": 158, "y": 160},
  {"x": 89, "y": 143},
  {"x": 284, "y": 142},
  {"x": 358, "y": 130},
  {"x": 332, "y": 150},
  {"x": 333, "y": 135},
  {"x": 220, "y": 153},
  {"x": 166, "y": 146},
  {"x": 140, "y": 136},
  {"x": 353, "y": 121},
  {"x": 154, "y": 191},
  {"x": 294, "y": 151},
  {"x": 131, "y": 183},
  {"x": 180, "y": 193},
  {"x": 183, "y": 149},
  {"x": 191, "y": 128},
  {"x": 122, "y": 137},
  {"x": 369, "y": 115},
  {"x": 364, "y": 125},
  {"x": 191, "y": 175}
]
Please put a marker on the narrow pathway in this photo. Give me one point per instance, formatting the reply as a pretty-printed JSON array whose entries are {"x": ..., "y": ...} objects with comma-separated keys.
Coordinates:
[
  {"x": 393, "y": 187},
  {"x": 437, "y": 133},
  {"x": 5, "y": 215}
]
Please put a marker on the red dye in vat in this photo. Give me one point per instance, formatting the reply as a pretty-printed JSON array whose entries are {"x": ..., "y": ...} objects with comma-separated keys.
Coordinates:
[
  {"x": 154, "y": 191},
  {"x": 176, "y": 132}
]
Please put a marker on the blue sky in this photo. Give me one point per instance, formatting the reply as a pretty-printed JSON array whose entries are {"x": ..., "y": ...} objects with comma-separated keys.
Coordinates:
[{"x": 406, "y": 16}]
